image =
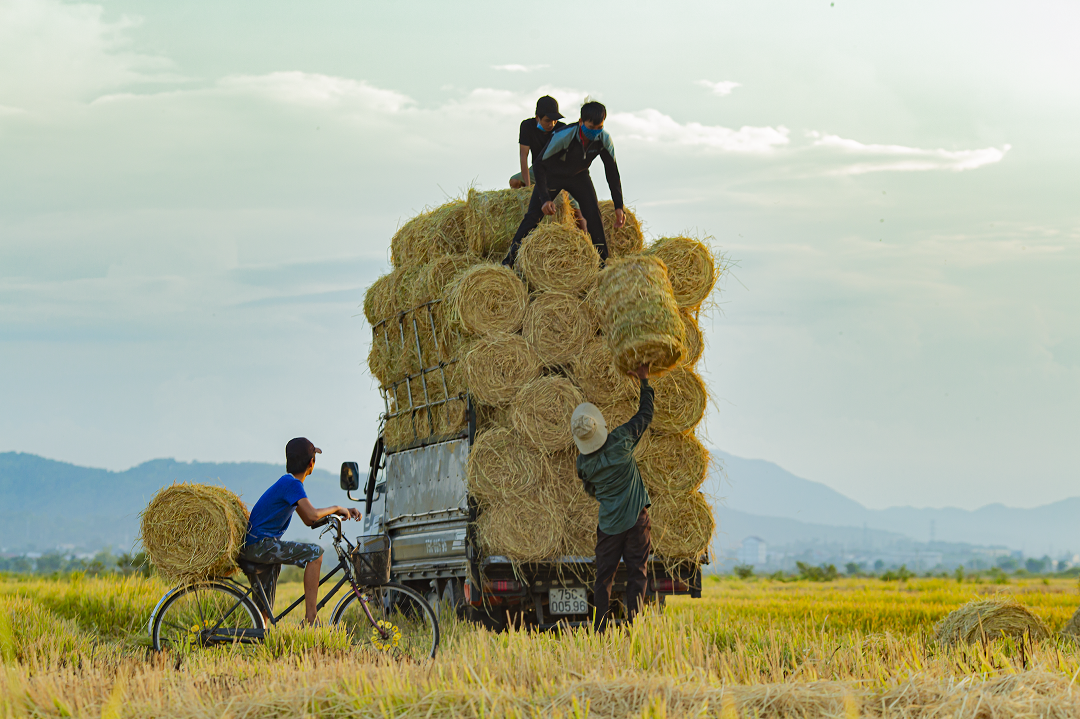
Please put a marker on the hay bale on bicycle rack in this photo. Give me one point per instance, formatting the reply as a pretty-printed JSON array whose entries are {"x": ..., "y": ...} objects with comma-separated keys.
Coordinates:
[
  {"x": 557, "y": 326},
  {"x": 593, "y": 370},
  {"x": 193, "y": 532},
  {"x": 558, "y": 258},
  {"x": 626, "y": 240},
  {"x": 489, "y": 298},
  {"x": 497, "y": 365},
  {"x": 680, "y": 401},
  {"x": 541, "y": 412},
  {"x": 640, "y": 318},
  {"x": 682, "y": 525},
  {"x": 503, "y": 469},
  {"x": 990, "y": 619},
  {"x": 676, "y": 463},
  {"x": 691, "y": 267}
]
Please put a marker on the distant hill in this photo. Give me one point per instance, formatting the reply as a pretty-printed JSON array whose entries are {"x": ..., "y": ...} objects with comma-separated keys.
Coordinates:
[{"x": 46, "y": 503}]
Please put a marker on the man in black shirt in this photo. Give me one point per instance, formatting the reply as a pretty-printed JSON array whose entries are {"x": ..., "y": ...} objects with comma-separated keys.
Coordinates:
[
  {"x": 533, "y": 136},
  {"x": 565, "y": 166}
]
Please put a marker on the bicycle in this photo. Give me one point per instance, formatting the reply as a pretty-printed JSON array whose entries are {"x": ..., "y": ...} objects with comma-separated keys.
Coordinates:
[{"x": 378, "y": 614}]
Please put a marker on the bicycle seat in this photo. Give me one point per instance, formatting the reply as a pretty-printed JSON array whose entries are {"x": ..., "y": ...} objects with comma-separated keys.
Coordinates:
[{"x": 249, "y": 567}]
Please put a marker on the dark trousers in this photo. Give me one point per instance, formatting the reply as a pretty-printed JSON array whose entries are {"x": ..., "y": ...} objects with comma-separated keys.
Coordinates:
[
  {"x": 581, "y": 188},
  {"x": 632, "y": 546}
]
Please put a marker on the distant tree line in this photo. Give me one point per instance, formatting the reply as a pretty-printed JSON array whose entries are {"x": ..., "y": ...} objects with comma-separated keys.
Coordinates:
[{"x": 57, "y": 563}]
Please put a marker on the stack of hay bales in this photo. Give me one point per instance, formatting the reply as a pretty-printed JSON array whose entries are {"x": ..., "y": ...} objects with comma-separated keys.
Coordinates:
[
  {"x": 194, "y": 532},
  {"x": 449, "y": 322}
]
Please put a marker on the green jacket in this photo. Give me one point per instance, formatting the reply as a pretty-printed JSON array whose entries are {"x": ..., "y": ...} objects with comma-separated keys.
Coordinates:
[{"x": 611, "y": 474}]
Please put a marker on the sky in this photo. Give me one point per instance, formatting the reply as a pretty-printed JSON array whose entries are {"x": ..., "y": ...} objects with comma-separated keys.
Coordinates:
[{"x": 194, "y": 197}]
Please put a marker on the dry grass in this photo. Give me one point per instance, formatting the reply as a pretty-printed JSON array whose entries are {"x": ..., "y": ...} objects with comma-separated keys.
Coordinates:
[
  {"x": 492, "y": 218},
  {"x": 380, "y": 300},
  {"x": 430, "y": 235},
  {"x": 676, "y": 463},
  {"x": 541, "y": 412},
  {"x": 557, "y": 326},
  {"x": 497, "y": 366},
  {"x": 593, "y": 370},
  {"x": 531, "y": 530},
  {"x": 626, "y": 240},
  {"x": 503, "y": 470},
  {"x": 489, "y": 298},
  {"x": 695, "y": 342},
  {"x": 682, "y": 524},
  {"x": 558, "y": 258},
  {"x": 679, "y": 402}
]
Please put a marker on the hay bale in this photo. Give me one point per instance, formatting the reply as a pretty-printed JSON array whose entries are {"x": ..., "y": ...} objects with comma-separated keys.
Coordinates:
[
  {"x": 1072, "y": 627},
  {"x": 673, "y": 463},
  {"x": 640, "y": 318},
  {"x": 557, "y": 326},
  {"x": 619, "y": 413},
  {"x": 531, "y": 530},
  {"x": 682, "y": 525},
  {"x": 593, "y": 370},
  {"x": 489, "y": 298},
  {"x": 492, "y": 218},
  {"x": 491, "y": 417},
  {"x": 385, "y": 358},
  {"x": 502, "y": 469},
  {"x": 381, "y": 298},
  {"x": 193, "y": 532},
  {"x": 581, "y": 510},
  {"x": 438, "y": 276},
  {"x": 626, "y": 240},
  {"x": 992, "y": 618},
  {"x": 497, "y": 365},
  {"x": 679, "y": 402},
  {"x": 691, "y": 267},
  {"x": 558, "y": 258},
  {"x": 541, "y": 412},
  {"x": 695, "y": 342},
  {"x": 430, "y": 235}
]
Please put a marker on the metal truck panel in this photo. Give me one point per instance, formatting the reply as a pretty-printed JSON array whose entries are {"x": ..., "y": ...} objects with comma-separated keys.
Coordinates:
[{"x": 426, "y": 482}]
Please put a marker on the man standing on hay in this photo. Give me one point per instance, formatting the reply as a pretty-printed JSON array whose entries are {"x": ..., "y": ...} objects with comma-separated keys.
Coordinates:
[
  {"x": 270, "y": 518},
  {"x": 565, "y": 166},
  {"x": 609, "y": 472},
  {"x": 533, "y": 137}
]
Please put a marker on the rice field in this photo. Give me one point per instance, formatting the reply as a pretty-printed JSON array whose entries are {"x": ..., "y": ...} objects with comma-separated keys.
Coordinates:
[{"x": 756, "y": 648}]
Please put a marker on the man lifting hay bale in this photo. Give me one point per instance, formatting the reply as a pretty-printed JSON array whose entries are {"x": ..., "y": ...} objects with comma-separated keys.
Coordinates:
[
  {"x": 609, "y": 473},
  {"x": 270, "y": 518}
]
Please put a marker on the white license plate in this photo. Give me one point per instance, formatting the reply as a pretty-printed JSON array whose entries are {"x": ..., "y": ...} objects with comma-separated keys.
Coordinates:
[{"x": 567, "y": 601}]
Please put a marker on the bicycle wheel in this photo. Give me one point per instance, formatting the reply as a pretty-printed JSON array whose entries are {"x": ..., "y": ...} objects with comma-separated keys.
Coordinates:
[
  {"x": 402, "y": 624},
  {"x": 207, "y": 614}
]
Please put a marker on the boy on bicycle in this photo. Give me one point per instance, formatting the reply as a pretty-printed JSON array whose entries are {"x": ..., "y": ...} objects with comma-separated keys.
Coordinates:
[{"x": 270, "y": 518}]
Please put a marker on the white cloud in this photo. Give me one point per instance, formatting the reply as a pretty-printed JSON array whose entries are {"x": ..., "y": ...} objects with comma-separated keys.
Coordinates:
[
  {"x": 518, "y": 68},
  {"x": 724, "y": 87},
  {"x": 315, "y": 90},
  {"x": 898, "y": 158},
  {"x": 655, "y": 127}
]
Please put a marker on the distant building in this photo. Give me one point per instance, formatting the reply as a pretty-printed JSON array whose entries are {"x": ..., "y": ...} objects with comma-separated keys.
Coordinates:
[{"x": 753, "y": 551}]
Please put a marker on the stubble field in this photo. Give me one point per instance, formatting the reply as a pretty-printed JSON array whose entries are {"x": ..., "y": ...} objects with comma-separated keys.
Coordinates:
[{"x": 758, "y": 648}]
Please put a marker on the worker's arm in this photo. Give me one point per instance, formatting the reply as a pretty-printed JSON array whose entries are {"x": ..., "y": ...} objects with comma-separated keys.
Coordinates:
[
  {"x": 640, "y": 421},
  {"x": 523, "y": 152},
  {"x": 309, "y": 514},
  {"x": 611, "y": 169}
]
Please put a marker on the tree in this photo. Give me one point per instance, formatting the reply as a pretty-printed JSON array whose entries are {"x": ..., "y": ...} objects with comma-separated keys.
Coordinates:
[
  {"x": 744, "y": 571},
  {"x": 1035, "y": 566},
  {"x": 853, "y": 568}
]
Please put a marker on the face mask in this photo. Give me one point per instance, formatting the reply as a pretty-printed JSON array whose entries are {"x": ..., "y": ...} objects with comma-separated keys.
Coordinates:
[
  {"x": 540, "y": 127},
  {"x": 591, "y": 134}
]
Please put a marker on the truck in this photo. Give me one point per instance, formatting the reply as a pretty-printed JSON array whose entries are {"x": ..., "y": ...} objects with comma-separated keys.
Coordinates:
[{"x": 416, "y": 493}]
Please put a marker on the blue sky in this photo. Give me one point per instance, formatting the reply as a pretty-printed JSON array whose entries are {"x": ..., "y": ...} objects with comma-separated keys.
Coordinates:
[{"x": 193, "y": 197}]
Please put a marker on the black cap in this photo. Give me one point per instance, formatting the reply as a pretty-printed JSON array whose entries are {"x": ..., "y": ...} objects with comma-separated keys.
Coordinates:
[
  {"x": 298, "y": 454},
  {"x": 548, "y": 107}
]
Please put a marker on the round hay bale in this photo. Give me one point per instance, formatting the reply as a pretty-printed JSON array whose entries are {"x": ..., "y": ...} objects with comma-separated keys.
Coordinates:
[
  {"x": 557, "y": 326},
  {"x": 385, "y": 355},
  {"x": 531, "y": 530},
  {"x": 491, "y": 417},
  {"x": 447, "y": 229},
  {"x": 497, "y": 366},
  {"x": 193, "y": 532},
  {"x": 410, "y": 287},
  {"x": 581, "y": 511},
  {"x": 695, "y": 342},
  {"x": 1072, "y": 627},
  {"x": 492, "y": 218},
  {"x": 438, "y": 276},
  {"x": 593, "y": 370},
  {"x": 679, "y": 402},
  {"x": 558, "y": 258},
  {"x": 502, "y": 469},
  {"x": 489, "y": 298},
  {"x": 674, "y": 463},
  {"x": 429, "y": 235},
  {"x": 626, "y": 240},
  {"x": 541, "y": 412},
  {"x": 640, "y": 318},
  {"x": 619, "y": 413},
  {"x": 691, "y": 267},
  {"x": 985, "y": 619},
  {"x": 381, "y": 298},
  {"x": 682, "y": 525}
]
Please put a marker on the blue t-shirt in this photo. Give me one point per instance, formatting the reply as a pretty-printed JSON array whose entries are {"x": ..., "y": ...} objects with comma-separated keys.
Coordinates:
[{"x": 271, "y": 514}]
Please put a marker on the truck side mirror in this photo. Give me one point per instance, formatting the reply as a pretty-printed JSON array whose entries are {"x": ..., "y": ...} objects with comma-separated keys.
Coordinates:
[{"x": 350, "y": 476}]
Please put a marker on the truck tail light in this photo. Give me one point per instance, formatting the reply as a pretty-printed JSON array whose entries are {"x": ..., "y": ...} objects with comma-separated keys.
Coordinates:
[
  {"x": 503, "y": 586},
  {"x": 670, "y": 586}
]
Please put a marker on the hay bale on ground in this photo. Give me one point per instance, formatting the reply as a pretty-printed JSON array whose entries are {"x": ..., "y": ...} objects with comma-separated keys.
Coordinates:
[
  {"x": 593, "y": 370},
  {"x": 626, "y": 240},
  {"x": 640, "y": 318},
  {"x": 489, "y": 298},
  {"x": 1072, "y": 627},
  {"x": 380, "y": 300},
  {"x": 193, "y": 532},
  {"x": 430, "y": 235},
  {"x": 497, "y": 366},
  {"x": 990, "y": 619},
  {"x": 558, "y": 258},
  {"x": 691, "y": 268},
  {"x": 557, "y": 326},
  {"x": 492, "y": 218},
  {"x": 679, "y": 402},
  {"x": 673, "y": 463},
  {"x": 502, "y": 469},
  {"x": 682, "y": 525},
  {"x": 541, "y": 412},
  {"x": 695, "y": 342}
]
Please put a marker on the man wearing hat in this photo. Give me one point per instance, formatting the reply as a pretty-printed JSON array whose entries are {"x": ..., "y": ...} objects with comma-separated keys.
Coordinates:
[
  {"x": 533, "y": 136},
  {"x": 270, "y": 518},
  {"x": 609, "y": 472}
]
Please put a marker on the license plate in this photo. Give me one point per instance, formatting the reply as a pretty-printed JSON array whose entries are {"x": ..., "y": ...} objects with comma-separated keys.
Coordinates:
[{"x": 567, "y": 601}]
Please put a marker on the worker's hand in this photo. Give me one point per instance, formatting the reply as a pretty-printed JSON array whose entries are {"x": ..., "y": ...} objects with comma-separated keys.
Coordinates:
[
  {"x": 620, "y": 219},
  {"x": 642, "y": 372},
  {"x": 548, "y": 208}
]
